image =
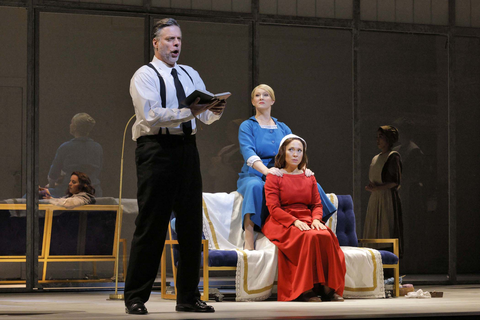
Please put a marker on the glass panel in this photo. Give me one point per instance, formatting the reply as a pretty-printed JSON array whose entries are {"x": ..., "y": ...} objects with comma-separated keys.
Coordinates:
[
  {"x": 13, "y": 97},
  {"x": 86, "y": 62},
  {"x": 467, "y": 100},
  {"x": 440, "y": 12},
  {"x": 223, "y": 63},
  {"x": 121, "y": 2},
  {"x": 212, "y": 5},
  {"x": 325, "y": 8},
  {"x": 463, "y": 13},
  {"x": 77, "y": 233},
  {"x": 268, "y": 6},
  {"x": 343, "y": 9},
  {"x": 313, "y": 89},
  {"x": 338, "y": 9},
  {"x": 403, "y": 81},
  {"x": 422, "y": 11},
  {"x": 368, "y": 10},
  {"x": 386, "y": 10}
]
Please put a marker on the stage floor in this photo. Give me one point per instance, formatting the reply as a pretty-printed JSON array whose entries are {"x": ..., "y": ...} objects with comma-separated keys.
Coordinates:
[{"x": 458, "y": 302}]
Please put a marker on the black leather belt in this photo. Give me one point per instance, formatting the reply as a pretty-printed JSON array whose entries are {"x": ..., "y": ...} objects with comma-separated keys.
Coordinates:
[{"x": 168, "y": 137}]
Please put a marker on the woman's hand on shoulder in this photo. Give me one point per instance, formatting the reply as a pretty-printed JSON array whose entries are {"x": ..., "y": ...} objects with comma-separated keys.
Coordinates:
[
  {"x": 275, "y": 171},
  {"x": 316, "y": 224},
  {"x": 309, "y": 172},
  {"x": 301, "y": 225}
]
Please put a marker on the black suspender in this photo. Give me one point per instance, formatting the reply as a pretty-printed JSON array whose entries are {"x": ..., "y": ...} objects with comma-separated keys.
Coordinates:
[
  {"x": 187, "y": 74},
  {"x": 163, "y": 89}
]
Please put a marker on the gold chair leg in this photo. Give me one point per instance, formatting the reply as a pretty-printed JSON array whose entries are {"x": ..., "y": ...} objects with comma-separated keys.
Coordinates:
[
  {"x": 124, "y": 251},
  {"x": 397, "y": 281},
  {"x": 163, "y": 271},
  {"x": 206, "y": 284}
]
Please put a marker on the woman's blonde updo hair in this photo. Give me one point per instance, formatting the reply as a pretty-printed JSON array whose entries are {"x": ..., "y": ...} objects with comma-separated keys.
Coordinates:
[{"x": 265, "y": 87}]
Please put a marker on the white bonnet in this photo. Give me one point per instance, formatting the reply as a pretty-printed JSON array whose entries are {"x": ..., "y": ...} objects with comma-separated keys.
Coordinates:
[{"x": 290, "y": 136}]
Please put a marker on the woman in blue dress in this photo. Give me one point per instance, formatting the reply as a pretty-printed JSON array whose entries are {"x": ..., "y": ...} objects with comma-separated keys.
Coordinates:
[{"x": 259, "y": 138}]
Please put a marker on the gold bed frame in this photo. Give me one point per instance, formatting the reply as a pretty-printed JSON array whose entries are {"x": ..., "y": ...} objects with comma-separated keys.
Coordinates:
[{"x": 45, "y": 256}]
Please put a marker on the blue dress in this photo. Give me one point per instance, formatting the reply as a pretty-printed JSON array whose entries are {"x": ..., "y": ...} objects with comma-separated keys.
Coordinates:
[{"x": 263, "y": 142}]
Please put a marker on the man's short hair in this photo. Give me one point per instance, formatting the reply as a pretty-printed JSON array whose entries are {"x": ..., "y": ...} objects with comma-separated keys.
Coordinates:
[
  {"x": 84, "y": 123},
  {"x": 160, "y": 24}
]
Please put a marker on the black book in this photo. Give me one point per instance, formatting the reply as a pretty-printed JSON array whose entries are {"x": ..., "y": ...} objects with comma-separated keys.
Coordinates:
[{"x": 205, "y": 97}]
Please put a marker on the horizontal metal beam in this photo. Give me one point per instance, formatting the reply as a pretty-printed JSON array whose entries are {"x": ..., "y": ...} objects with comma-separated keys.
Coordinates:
[
  {"x": 4, "y": 3},
  {"x": 114, "y": 10},
  {"x": 238, "y": 17},
  {"x": 214, "y": 19},
  {"x": 144, "y": 8},
  {"x": 306, "y": 21},
  {"x": 91, "y": 12},
  {"x": 466, "y": 32},
  {"x": 402, "y": 27}
]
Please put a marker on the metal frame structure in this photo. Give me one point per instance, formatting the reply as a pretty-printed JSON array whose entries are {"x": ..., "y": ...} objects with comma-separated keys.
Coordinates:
[
  {"x": 254, "y": 19},
  {"x": 45, "y": 257},
  {"x": 206, "y": 269}
]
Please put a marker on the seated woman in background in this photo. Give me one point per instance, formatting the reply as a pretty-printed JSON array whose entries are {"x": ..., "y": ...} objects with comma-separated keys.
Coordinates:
[
  {"x": 259, "y": 138},
  {"x": 79, "y": 193},
  {"x": 311, "y": 265}
]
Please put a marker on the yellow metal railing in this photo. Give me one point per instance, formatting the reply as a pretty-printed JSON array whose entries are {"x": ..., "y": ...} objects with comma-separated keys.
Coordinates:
[{"x": 45, "y": 256}]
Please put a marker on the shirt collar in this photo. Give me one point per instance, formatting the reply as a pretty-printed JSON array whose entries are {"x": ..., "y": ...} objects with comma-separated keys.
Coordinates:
[
  {"x": 160, "y": 65},
  {"x": 255, "y": 119}
]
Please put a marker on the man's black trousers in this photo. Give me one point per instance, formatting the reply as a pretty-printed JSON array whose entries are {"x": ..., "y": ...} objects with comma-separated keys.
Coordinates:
[{"x": 168, "y": 179}]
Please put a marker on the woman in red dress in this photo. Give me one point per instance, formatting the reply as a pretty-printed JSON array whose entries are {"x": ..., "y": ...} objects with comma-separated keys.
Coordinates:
[{"x": 311, "y": 265}]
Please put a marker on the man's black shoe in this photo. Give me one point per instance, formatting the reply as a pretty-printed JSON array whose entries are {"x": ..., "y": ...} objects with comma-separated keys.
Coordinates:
[
  {"x": 197, "y": 306},
  {"x": 136, "y": 308}
]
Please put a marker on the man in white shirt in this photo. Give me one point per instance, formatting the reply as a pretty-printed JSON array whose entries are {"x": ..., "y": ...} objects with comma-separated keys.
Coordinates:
[{"x": 168, "y": 171}]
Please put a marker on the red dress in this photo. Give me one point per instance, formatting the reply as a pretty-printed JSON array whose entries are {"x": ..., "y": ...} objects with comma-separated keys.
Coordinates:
[{"x": 305, "y": 257}]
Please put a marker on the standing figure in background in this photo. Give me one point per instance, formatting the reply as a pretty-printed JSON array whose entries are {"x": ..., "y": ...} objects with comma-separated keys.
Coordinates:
[
  {"x": 79, "y": 154},
  {"x": 384, "y": 212},
  {"x": 259, "y": 138},
  {"x": 311, "y": 265}
]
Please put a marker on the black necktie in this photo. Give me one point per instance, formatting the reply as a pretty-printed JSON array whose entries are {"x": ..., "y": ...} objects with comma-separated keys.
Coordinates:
[{"x": 186, "y": 126}]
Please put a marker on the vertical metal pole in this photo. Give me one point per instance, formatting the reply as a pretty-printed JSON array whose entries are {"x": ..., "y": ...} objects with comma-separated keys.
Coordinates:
[
  {"x": 117, "y": 296},
  {"x": 148, "y": 47},
  {"x": 255, "y": 48},
  {"x": 357, "y": 162},
  {"x": 32, "y": 148},
  {"x": 452, "y": 150}
]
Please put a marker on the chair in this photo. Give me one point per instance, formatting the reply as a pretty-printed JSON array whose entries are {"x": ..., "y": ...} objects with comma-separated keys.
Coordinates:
[
  {"x": 347, "y": 236},
  {"x": 212, "y": 260}
]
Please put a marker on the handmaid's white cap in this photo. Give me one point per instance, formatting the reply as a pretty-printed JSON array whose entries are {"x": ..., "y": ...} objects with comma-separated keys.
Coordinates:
[{"x": 291, "y": 136}]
